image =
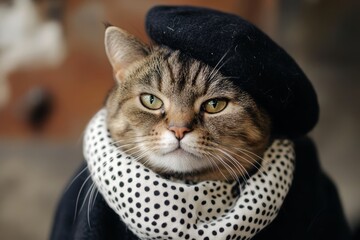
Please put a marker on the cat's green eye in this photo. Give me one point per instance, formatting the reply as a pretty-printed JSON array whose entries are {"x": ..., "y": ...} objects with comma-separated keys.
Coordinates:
[
  {"x": 150, "y": 101},
  {"x": 214, "y": 105}
]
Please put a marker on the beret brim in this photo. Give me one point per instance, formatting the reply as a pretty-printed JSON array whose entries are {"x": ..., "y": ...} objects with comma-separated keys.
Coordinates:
[{"x": 255, "y": 63}]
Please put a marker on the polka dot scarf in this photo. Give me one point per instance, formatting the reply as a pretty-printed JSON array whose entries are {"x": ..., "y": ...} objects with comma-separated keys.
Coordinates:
[{"x": 153, "y": 207}]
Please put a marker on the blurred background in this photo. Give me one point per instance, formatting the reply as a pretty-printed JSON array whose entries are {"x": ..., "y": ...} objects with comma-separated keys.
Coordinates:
[{"x": 54, "y": 76}]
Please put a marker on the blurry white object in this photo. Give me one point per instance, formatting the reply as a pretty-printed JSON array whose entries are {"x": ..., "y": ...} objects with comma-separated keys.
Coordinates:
[{"x": 26, "y": 41}]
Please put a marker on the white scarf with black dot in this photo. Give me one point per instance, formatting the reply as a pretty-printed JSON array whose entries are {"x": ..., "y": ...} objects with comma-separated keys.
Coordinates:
[{"x": 157, "y": 208}]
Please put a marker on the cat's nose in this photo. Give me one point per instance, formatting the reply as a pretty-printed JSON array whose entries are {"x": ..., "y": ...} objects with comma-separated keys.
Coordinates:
[{"x": 179, "y": 131}]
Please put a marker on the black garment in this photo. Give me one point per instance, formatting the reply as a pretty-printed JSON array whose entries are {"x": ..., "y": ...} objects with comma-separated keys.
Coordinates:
[{"x": 311, "y": 210}]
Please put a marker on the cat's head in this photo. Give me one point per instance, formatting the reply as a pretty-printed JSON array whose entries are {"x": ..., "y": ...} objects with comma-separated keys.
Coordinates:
[{"x": 179, "y": 116}]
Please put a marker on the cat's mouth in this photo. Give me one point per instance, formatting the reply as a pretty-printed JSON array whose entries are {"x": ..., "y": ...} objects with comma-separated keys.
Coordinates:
[
  {"x": 180, "y": 152},
  {"x": 177, "y": 159}
]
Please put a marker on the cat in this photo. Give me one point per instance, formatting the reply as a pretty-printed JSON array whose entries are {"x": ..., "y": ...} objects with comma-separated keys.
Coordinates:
[
  {"x": 180, "y": 117},
  {"x": 183, "y": 119}
]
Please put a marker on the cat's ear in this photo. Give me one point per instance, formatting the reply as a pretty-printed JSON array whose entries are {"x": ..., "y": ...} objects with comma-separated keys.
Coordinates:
[{"x": 122, "y": 48}]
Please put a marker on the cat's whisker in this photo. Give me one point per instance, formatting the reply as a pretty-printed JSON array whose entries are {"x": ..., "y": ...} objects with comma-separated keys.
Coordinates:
[
  {"x": 139, "y": 149},
  {"x": 238, "y": 166},
  {"x": 213, "y": 163},
  {"x": 86, "y": 197},
  {"x": 217, "y": 70},
  {"x": 90, "y": 203},
  {"x": 254, "y": 154},
  {"x": 91, "y": 200},
  {"x": 139, "y": 157},
  {"x": 227, "y": 167},
  {"x": 211, "y": 75},
  {"x": 128, "y": 150},
  {"x": 94, "y": 201},
  {"x": 128, "y": 141},
  {"x": 243, "y": 158},
  {"x": 242, "y": 171},
  {"x": 227, "y": 155},
  {"x": 137, "y": 142},
  {"x": 257, "y": 167},
  {"x": 143, "y": 152},
  {"x": 78, "y": 196},
  {"x": 75, "y": 178},
  {"x": 134, "y": 144},
  {"x": 131, "y": 139}
]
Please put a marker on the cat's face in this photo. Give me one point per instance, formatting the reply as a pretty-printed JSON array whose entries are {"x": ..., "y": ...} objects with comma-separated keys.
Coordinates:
[{"x": 179, "y": 116}]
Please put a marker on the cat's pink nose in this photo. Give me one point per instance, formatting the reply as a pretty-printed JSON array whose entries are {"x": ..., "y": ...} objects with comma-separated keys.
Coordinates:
[{"x": 179, "y": 131}]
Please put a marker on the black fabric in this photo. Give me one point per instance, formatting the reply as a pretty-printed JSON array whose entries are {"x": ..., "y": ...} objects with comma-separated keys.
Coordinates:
[
  {"x": 253, "y": 61},
  {"x": 101, "y": 224},
  {"x": 311, "y": 210}
]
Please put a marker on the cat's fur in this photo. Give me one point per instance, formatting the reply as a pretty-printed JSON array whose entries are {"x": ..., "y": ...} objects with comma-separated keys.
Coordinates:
[{"x": 220, "y": 146}]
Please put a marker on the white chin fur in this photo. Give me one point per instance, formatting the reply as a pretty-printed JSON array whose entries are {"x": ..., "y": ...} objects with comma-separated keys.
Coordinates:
[
  {"x": 178, "y": 161},
  {"x": 174, "y": 159}
]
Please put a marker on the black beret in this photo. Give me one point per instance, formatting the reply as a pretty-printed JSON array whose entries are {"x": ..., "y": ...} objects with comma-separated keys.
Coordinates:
[{"x": 255, "y": 63}]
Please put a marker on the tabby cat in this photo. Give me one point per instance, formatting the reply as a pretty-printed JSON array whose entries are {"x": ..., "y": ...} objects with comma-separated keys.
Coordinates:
[{"x": 180, "y": 117}]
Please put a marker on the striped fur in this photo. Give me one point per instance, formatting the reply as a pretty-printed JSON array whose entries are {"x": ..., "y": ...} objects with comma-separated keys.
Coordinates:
[{"x": 226, "y": 145}]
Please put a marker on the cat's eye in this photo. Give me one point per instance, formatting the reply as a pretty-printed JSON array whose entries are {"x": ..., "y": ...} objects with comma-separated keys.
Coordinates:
[
  {"x": 214, "y": 105},
  {"x": 150, "y": 101}
]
